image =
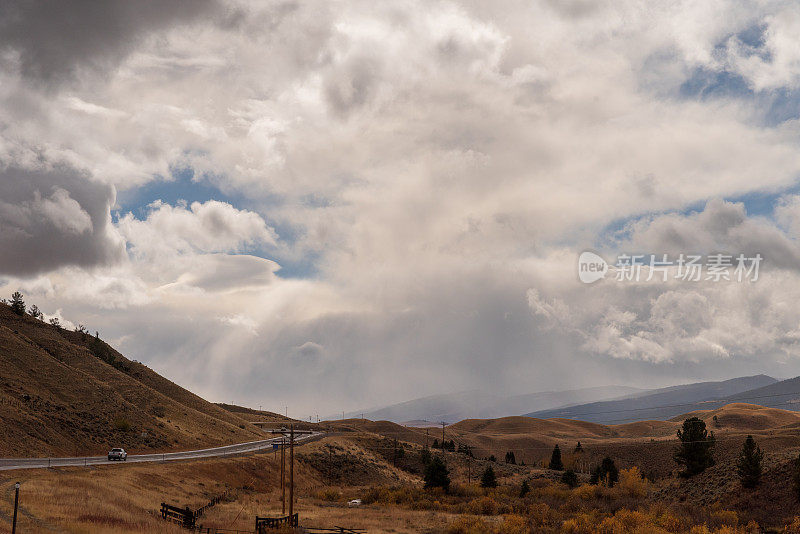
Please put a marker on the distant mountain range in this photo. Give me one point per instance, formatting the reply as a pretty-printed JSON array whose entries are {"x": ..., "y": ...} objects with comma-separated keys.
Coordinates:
[
  {"x": 665, "y": 403},
  {"x": 454, "y": 407},
  {"x": 606, "y": 404}
]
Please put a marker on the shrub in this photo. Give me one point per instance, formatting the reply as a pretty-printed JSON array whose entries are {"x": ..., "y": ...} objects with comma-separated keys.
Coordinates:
[
  {"x": 158, "y": 410},
  {"x": 569, "y": 478},
  {"x": 632, "y": 483},
  {"x": 468, "y": 525},
  {"x": 796, "y": 477},
  {"x": 749, "y": 465},
  {"x": 696, "y": 451},
  {"x": 122, "y": 425},
  {"x": 330, "y": 494},
  {"x": 524, "y": 489},
  {"x": 424, "y": 456},
  {"x": 483, "y": 506}
]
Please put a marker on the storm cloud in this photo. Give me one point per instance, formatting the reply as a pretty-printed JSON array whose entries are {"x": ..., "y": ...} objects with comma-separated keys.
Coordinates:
[
  {"x": 54, "y": 217},
  {"x": 51, "y": 41}
]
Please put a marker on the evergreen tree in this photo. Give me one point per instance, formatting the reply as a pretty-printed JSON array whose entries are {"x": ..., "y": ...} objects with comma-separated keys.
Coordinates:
[
  {"x": 578, "y": 448},
  {"x": 749, "y": 465},
  {"x": 55, "y": 322},
  {"x": 435, "y": 443},
  {"x": 696, "y": 451},
  {"x": 17, "y": 304},
  {"x": 525, "y": 489},
  {"x": 488, "y": 479},
  {"x": 35, "y": 312},
  {"x": 555, "y": 460},
  {"x": 569, "y": 478},
  {"x": 605, "y": 473},
  {"x": 436, "y": 474},
  {"x": 510, "y": 459},
  {"x": 425, "y": 456},
  {"x": 491, "y": 458},
  {"x": 796, "y": 478}
]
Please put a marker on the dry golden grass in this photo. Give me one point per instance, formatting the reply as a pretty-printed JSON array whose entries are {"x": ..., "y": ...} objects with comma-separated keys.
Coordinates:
[{"x": 67, "y": 394}]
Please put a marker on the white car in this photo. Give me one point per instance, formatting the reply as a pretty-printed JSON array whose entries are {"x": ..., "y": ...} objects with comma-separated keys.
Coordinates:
[
  {"x": 354, "y": 503},
  {"x": 117, "y": 454}
]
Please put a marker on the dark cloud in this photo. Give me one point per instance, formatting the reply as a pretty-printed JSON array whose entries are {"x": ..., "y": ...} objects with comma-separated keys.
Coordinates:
[
  {"x": 55, "y": 39},
  {"x": 53, "y": 218}
]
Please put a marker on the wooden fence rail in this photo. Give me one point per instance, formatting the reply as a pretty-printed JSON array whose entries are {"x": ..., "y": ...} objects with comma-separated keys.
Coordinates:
[
  {"x": 186, "y": 516},
  {"x": 263, "y": 523},
  {"x": 183, "y": 516}
]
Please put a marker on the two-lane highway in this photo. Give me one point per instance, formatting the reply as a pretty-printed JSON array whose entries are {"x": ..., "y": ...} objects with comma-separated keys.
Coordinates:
[{"x": 228, "y": 450}]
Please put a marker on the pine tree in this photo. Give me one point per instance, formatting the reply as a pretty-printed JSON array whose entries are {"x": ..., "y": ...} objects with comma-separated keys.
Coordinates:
[
  {"x": 488, "y": 479},
  {"x": 605, "y": 473},
  {"x": 555, "y": 460},
  {"x": 525, "y": 488},
  {"x": 578, "y": 448},
  {"x": 35, "y": 312},
  {"x": 749, "y": 465},
  {"x": 436, "y": 474},
  {"x": 696, "y": 451},
  {"x": 510, "y": 459},
  {"x": 17, "y": 304}
]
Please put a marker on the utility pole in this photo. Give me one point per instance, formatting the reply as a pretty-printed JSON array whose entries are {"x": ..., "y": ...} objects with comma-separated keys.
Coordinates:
[
  {"x": 283, "y": 477},
  {"x": 330, "y": 465},
  {"x": 292, "y": 432},
  {"x": 16, "y": 505},
  {"x": 291, "y": 474}
]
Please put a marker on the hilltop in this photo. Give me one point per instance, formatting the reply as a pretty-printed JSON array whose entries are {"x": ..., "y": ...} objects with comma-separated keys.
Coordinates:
[{"x": 70, "y": 393}]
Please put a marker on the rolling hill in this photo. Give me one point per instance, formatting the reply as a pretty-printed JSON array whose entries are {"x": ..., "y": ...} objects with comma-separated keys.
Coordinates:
[{"x": 69, "y": 393}]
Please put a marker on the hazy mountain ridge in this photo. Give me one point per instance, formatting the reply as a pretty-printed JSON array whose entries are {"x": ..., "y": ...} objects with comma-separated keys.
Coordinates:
[
  {"x": 477, "y": 404},
  {"x": 662, "y": 403}
]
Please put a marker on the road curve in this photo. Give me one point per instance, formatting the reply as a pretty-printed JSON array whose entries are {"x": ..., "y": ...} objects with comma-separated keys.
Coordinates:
[{"x": 7, "y": 464}]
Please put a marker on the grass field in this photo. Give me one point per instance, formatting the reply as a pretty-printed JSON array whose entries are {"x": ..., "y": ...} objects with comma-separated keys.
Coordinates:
[{"x": 125, "y": 498}]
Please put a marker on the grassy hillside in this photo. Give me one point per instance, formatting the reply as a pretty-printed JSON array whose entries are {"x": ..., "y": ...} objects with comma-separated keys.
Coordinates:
[{"x": 68, "y": 393}]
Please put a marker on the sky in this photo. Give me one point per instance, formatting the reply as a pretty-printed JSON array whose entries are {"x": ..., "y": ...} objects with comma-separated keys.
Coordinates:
[{"x": 326, "y": 206}]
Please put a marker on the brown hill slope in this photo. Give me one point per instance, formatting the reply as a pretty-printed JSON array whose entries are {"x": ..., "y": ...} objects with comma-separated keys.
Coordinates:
[
  {"x": 68, "y": 393},
  {"x": 742, "y": 416}
]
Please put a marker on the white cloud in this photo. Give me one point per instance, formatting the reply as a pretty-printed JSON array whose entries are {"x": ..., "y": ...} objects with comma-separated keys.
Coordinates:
[
  {"x": 437, "y": 166},
  {"x": 202, "y": 227}
]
